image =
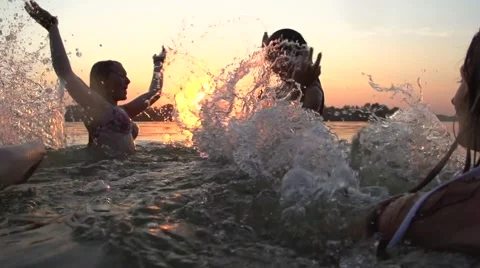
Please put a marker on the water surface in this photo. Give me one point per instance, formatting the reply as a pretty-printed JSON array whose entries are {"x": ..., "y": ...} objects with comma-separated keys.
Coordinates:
[{"x": 159, "y": 131}]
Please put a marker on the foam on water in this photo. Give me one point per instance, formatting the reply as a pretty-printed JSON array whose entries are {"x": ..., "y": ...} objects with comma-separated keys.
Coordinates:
[{"x": 31, "y": 107}]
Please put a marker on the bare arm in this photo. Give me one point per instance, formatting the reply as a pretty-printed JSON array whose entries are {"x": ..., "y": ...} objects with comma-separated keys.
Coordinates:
[
  {"x": 142, "y": 102},
  {"x": 314, "y": 97},
  {"x": 92, "y": 102}
]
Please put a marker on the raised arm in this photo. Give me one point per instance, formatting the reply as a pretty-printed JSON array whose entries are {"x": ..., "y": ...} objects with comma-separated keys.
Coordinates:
[
  {"x": 79, "y": 91},
  {"x": 142, "y": 102}
]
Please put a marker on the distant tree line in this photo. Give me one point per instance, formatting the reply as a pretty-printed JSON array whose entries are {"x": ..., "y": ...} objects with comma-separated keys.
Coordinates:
[
  {"x": 357, "y": 113},
  {"x": 74, "y": 113}
]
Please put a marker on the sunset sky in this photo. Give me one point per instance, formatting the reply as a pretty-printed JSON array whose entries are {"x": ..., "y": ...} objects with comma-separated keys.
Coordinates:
[{"x": 395, "y": 41}]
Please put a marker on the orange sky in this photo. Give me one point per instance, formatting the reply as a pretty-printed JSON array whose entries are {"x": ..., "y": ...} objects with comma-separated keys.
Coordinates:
[{"x": 391, "y": 40}]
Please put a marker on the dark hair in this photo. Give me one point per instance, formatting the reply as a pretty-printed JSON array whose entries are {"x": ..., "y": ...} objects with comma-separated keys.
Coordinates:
[
  {"x": 284, "y": 35},
  {"x": 471, "y": 75},
  {"x": 99, "y": 73},
  {"x": 287, "y": 34}
]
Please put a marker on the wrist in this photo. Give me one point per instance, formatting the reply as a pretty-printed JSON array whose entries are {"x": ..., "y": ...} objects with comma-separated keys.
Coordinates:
[
  {"x": 51, "y": 24},
  {"x": 157, "y": 68},
  {"x": 52, "y": 27}
]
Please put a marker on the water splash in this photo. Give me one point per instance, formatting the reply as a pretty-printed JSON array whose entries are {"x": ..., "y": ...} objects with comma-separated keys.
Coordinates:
[
  {"x": 399, "y": 151},
  {"x": 31, "y": 105},
  {"x": 275, "y": 139}
]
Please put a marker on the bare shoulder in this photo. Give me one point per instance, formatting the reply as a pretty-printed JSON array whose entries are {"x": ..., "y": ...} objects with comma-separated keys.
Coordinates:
[{"x": 313, "y": 97}]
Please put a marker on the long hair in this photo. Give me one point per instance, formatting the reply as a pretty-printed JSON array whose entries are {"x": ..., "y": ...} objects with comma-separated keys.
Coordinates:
[
  {"x": 99, "y": 73},
  {"x": 471, "y": 75}
]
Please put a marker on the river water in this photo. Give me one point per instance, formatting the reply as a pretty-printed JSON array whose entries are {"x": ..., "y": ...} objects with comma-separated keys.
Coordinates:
[
  {"x": 168, "y": 207},
  {"x": 160, "y": 131},
  {"x": 267, "y": 184}
]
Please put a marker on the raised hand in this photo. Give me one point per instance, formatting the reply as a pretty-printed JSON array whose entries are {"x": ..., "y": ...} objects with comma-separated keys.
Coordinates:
[
  {"x": 40, "y": 15},
  {"x": 160, "y": 58},
  {"x": 265, "y": 39},
  {"x": 305, "y": 72}
]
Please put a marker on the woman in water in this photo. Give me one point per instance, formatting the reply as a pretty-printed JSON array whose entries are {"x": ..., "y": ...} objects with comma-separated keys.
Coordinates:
[
  {"x": 110, "y": 126},
  {"x": 446, "y": 218},
  {"x": 300, "y": 70}
]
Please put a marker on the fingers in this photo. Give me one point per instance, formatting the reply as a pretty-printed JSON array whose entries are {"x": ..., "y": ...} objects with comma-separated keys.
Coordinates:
[
  {"x": 316, "y": 65},
  {"x": 317, "y": 61},
  {"x": 310, "y": 54},
  {"x": 32, "y": 7},
  {"x": 28, "y": 7},
  {"x": 264, "y": 39},
  {"x": 34, "y": 4}
]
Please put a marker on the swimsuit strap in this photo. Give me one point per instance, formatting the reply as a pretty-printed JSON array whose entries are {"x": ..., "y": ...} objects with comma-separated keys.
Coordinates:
[{"x": 400, "y": 233}]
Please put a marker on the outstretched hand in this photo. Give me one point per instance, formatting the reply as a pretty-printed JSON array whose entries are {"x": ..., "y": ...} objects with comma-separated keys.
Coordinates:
[
  {"x": 40, "y": 15},
  {"x": 305, "y": 72},
  {"x": 160, "y": 58}
]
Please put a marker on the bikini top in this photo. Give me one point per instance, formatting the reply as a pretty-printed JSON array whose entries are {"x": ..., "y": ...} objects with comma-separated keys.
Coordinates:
[{"x": 116, "y": 121}]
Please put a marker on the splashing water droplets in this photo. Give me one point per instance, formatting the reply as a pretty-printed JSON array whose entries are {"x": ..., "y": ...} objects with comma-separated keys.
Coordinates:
[
  {"x": 28, "y": 110},
  {"x": 399, "y": 151},
  {"x": 78, "y": 53},
  {"x": 269, "y": 137}
]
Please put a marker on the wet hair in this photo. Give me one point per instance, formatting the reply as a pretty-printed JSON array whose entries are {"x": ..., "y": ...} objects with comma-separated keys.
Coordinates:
[
  {"x": 287, "y": 34},
  {"x": 471, "y": 75},
  {"x": 99, "y": 73},
  {"x": 284, "y": 35}
]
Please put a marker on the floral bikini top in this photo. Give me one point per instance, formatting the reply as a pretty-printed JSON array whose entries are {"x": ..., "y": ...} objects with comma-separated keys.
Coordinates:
[{"x": 116, "y": 122}]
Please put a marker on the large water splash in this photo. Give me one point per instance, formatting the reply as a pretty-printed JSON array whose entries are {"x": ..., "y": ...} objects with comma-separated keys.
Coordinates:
[
  {"x": 31, "y": 105},
  {"x": 274, "y": 139},
  {"x": 399, "y": 151}
]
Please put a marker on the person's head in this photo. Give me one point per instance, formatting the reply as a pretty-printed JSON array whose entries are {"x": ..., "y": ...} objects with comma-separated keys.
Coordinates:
[
  {"x": 282, "y": 46},
  {"x": 466, "y": 99},
  {"x": 110, "y": 80},
  {"x": 467, "y": 107}
]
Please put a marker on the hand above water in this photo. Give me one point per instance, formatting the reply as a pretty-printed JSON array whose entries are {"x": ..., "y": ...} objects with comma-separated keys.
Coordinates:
[
  {"x": 160, "y": 58},
  {"x": 305, "y": 72},
  {"x": 265, "y": 39},
  {"x": 40, "y": 15}
]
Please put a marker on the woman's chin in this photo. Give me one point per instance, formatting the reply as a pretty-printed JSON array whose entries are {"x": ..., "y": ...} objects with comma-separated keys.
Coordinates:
[{"x": 122, "y": 98}]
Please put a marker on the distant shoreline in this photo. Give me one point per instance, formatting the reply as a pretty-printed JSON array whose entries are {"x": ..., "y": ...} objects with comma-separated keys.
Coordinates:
[{"x": 347, "y": 113}]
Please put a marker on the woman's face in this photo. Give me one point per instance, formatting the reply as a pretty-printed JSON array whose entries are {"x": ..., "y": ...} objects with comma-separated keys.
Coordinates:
[
  {"x": 460, "y": 102},
  {"x": 117, "y": 83}
]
